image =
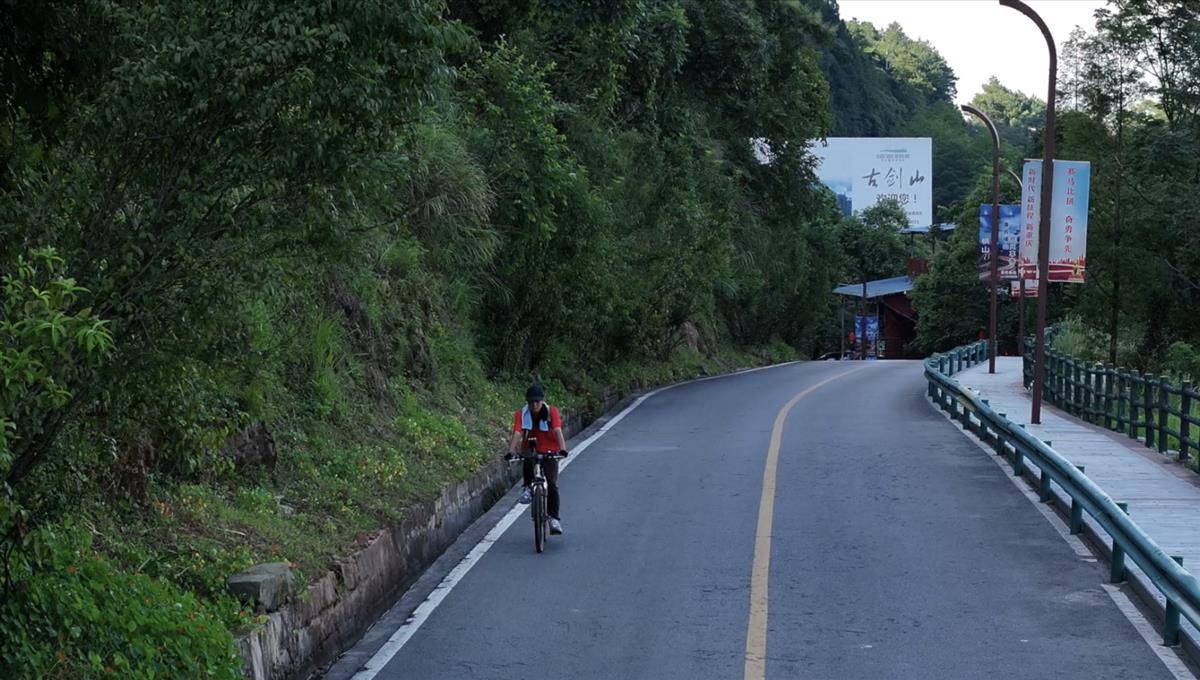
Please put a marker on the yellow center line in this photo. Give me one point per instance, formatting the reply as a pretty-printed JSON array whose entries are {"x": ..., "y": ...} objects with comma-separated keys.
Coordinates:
[{"x": 756, "y": 632}]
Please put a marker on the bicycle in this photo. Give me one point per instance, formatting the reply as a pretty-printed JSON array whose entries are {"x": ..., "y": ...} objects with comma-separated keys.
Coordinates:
[{"x": 537, "y": 496}]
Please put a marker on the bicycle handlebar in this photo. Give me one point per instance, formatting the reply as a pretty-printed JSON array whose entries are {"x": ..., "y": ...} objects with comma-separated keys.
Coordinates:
[{"x": 537, "y": 456}]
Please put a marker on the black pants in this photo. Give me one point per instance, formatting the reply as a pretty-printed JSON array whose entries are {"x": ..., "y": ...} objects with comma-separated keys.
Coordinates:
[{"x": 550, "y": 472}]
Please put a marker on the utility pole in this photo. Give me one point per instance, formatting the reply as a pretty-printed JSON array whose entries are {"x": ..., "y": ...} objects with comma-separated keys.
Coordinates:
[{"x": 1039, "y": 342}]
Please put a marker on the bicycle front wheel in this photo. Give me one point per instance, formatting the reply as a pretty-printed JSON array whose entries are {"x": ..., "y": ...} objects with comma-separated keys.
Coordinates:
[{"x": 539, "y": 519}]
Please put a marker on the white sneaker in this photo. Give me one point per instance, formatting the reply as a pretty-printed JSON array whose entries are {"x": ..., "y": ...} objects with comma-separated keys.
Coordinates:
[
  {"x": 555, "y": 527},
  {"x": 525, "y": 498}
]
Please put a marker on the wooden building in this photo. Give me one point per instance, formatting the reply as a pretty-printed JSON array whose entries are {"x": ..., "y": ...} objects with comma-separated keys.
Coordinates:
[{"x": 889, "y": 300}]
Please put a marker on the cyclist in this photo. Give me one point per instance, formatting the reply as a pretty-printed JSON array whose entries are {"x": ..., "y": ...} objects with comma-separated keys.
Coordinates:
[{"x": 540, "y": 421}]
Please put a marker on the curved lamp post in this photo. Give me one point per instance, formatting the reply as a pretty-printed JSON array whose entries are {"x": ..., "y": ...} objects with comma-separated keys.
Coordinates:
[
  {"x": 1039, "y": 346},
  {"x": 994, "y": 275}
]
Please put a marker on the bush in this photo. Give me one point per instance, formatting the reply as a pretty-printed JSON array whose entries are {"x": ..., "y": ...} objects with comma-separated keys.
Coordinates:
[
  {"x": 75, "y": 615},
  {"x": 1076, "y": 338},
  {"x": 1183, "y": 361}
]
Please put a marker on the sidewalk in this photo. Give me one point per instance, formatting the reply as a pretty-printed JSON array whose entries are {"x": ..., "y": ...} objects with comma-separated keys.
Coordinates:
[{"x": 1163, "y": 496}]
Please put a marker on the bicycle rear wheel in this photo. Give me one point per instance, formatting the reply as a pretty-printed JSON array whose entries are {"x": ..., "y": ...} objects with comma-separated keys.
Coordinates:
[{"x": 539, "y": 518}]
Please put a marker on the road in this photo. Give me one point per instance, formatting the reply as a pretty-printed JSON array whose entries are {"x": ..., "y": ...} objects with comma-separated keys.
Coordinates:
[{"x": 896, "y": 549}]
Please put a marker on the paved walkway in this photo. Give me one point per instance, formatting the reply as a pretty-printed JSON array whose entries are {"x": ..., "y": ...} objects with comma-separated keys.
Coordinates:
[{"x": 1163, "y": 496}]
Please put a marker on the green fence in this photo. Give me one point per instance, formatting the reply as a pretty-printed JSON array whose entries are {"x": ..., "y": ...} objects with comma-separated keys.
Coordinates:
[{"x": 1144, "y": 406}]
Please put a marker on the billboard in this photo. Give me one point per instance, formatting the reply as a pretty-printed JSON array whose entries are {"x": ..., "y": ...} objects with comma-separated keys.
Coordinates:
[
  {"x": 1007, "y": 240},
  {"x": 1068, "y": 219},
  {"x": 863, "y": 170}
]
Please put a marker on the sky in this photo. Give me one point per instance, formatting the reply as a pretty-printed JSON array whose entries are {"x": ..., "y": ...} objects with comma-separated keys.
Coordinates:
[{"x": 958, "y": 29}]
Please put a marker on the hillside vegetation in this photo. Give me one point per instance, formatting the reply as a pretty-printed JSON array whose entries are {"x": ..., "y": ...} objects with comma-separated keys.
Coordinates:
[{"x": 342, "y": 237}]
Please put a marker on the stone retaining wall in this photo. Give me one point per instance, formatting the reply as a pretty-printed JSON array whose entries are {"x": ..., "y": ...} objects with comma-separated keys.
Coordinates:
[{"x": 342, "y": 603}]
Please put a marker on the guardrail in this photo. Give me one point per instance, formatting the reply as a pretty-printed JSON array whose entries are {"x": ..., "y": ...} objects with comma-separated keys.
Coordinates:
[
  {"x": 1023, "y": 450},
  {"x": 1142, "y": 405}
]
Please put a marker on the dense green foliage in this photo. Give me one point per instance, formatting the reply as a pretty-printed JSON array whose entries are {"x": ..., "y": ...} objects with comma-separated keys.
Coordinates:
[
  {"x": 363, "y": 226},
  {"x": 366, "y": 224}
]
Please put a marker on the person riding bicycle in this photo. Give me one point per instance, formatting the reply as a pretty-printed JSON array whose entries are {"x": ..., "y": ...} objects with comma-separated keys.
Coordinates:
[{"x": 540, "y": 422}]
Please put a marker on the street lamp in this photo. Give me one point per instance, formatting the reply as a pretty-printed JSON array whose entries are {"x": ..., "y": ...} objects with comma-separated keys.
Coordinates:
[
  {"x": 994, "y": 275},
  {"x": 1039, "y": 343}
]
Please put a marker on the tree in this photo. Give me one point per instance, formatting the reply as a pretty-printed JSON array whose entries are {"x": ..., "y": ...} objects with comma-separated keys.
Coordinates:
[
  {"x": 1015, "y": 114},
  {"x": 914, "y": 62},
  {"x": 1163, "y": 38}
]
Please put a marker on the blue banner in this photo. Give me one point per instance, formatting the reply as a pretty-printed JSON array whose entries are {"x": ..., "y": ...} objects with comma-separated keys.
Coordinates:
[
  {"x": 1008, "y": 241},
  {"x": 872, "y": 327}
]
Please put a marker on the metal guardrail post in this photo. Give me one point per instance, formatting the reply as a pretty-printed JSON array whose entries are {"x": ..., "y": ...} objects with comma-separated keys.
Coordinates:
[
  {"x": 985, "y": 433},
  {"x": 1018, "y": 458},
  {"x": 1044, "y": 490},
  {"x": 1171, "y": 616},
  {"x": 1076, "y": 511},
  {"x": 1116, "y": 571},
  {"x": 999, "y": 443}
]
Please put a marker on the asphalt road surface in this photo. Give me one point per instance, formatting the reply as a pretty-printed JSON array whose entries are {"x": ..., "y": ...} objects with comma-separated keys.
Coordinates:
[{"x": 897, "y": 549}]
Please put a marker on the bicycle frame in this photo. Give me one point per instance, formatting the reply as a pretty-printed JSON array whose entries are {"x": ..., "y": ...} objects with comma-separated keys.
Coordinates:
[{"x": 537, "y": 491}]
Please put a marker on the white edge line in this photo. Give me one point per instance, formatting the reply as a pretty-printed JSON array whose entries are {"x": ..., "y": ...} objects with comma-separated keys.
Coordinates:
[
  {"x": 1167, "y": 655},
  {"x": 405, "y": 632},
  {"x": 1170, "y": 658}
]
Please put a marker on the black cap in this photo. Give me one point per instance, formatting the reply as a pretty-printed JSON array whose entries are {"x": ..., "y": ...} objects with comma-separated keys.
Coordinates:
[{"x": 535, "y": 393}]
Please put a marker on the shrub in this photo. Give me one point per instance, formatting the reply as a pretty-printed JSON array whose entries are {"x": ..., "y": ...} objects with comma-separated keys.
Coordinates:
[
  {"x": 1183, "y": 361},
  {"x": 1078, "y": 339},
  {"x": 75, "y": 615}
]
